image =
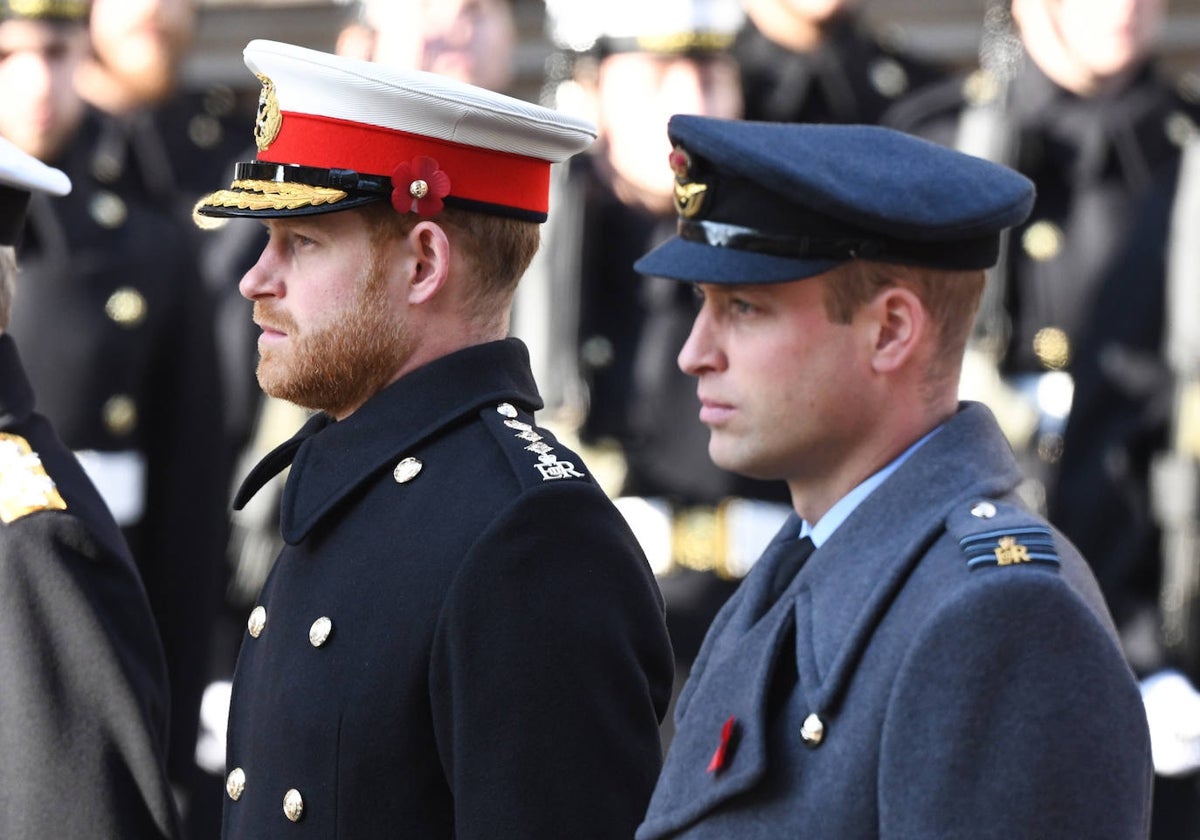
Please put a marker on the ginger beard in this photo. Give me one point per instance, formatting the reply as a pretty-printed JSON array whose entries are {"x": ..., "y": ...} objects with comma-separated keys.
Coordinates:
[{"x": 337, "y": 367}]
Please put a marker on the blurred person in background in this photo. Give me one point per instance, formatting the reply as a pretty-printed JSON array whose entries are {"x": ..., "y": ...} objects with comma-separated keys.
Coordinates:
[
  {"x": 607, "y": 336},
  {"x": 1069, "y": 92},
  {"x": 820, "y": 61},
  {"x": 83, "y": 708},
  {"x": 117, "y": 335},
  {"x": 163, "y": 139},
  {"x": 473, "y": 41},
  {"x": 1072, "y": 98}
]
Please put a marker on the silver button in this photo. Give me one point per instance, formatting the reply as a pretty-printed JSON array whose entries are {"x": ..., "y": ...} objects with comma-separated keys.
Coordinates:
[
  {"x": 318, "y": 634},
  {"x": 983, "y": 510},
  {"x": 235, "y": 783},
  {"x": 506, "y": 410},
  {"x": 407, "y": 470},
  {"x": 293, "y": 805},
  {"x": 813, "y": 731},
  {"x": 258, "y": 620}
]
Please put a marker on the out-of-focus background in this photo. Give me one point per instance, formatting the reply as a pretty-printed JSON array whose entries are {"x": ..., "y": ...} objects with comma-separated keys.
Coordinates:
[{"x": 946, "y": 31}]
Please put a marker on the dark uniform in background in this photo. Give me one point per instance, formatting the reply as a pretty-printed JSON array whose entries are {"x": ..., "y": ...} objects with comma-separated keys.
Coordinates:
[
  {"x": 84, "y": 701},
  {"x": 853, "y": 76},
  {"x": 1092, "y": 159},
  {"x": 1106, "y": 498},
  {"x": 118, "y": 334}
]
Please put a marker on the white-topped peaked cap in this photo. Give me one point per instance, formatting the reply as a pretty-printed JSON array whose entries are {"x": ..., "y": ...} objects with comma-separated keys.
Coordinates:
[
  {"x": 661, "y": 26},
  {"x": 21, "y": 175},
  {"x": 335, "y": 133}
]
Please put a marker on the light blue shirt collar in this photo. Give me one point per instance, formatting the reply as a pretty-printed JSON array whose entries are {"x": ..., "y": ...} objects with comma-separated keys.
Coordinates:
[{"x": 840, "y": 512}]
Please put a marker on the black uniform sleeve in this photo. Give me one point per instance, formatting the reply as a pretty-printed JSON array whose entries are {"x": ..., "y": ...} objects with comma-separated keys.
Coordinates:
[
  {"x": 82, "y": 705},
  {"x": 550, "y": 672}
]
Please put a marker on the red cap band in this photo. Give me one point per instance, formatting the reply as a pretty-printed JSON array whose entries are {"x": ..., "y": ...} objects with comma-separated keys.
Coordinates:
[{"x": 476, "y": 174}]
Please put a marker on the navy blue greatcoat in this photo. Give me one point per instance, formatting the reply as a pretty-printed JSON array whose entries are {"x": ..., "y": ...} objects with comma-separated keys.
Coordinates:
[
  {"x": 460, "y": 638},
  {"x": 83, "y": 682},
  {"x": 906, "y": 684}
]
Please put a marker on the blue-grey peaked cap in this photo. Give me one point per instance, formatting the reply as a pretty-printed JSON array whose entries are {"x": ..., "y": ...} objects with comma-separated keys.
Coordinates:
[{"x": 772, "y": 202}]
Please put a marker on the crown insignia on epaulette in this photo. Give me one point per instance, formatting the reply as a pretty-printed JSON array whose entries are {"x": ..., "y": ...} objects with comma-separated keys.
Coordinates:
[
  {"x": 548, "y": 465},
  {"x": 1013, "y": 547},
  {"x": 25, "y": 487}
]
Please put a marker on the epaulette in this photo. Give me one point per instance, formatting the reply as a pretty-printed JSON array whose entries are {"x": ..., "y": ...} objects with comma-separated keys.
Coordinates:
[
  {"x": 993, "y": 533},
  {"x": 533, "y": 453},
  {"x": 25, "y": 487}
]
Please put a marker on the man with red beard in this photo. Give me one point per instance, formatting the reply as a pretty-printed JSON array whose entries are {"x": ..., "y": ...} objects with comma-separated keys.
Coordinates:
[{"x": 461, "y": 637}]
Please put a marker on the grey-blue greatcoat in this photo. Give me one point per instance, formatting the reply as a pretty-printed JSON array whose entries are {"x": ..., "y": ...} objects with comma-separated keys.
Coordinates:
[
  {"x": 498, "y": 660},
  {"x": 957, "y": 702}
]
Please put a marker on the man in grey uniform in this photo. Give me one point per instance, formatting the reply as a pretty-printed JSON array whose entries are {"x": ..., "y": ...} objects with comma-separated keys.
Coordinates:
[{"x": 916, "y": 654}]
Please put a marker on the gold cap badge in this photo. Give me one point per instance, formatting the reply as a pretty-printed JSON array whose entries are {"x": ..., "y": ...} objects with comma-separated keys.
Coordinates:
[
  {"x": 689, "y": 195},
  {"x": 269, "y": 119}
]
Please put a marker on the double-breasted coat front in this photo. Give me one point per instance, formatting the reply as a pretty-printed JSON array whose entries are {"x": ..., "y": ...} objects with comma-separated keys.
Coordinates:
[{"x": 461, "y": 637}]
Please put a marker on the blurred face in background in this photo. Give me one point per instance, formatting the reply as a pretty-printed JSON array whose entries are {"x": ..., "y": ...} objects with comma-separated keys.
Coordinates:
[
  {"x": 796, "y": 24},
  {"x": 470, "y": 40},
  {"x": 41, "y": 108},
  {"x": 141, "y": 43},
  {"x": 1084, "y": 44},
  {"x": 636, "y": 94}
]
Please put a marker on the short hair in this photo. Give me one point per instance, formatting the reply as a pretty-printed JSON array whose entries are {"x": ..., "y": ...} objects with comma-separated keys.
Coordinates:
[
  {"x": 8, "y": 283},
  {"x": 496, "y": 250},
  {"x": 951, "y": 298}
]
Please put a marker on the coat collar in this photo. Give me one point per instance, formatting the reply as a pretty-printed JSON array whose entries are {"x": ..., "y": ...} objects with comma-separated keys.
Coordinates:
[
  {"x": 849, "y": 583},
  {"x": 330, "y": 459},
  {"x": 831, "y": 609}
]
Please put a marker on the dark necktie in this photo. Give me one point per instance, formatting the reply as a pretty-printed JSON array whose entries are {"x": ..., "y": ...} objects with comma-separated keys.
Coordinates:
[
  {"x": 792, "y": 555},
  {"x": 776, "y": 568}
]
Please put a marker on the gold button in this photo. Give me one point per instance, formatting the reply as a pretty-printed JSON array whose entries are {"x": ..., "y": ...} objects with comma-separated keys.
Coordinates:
[
  {"x": 1052, "y": 347},
  {"x": 981, "y": 88},
  {"x": 813, "y": 731},
  {"x": 120, "y": 415},
  {"x": 235, "y": 783},
  {"x": 418, "y": 189},
  {"x": 258, "y": 620},
  {"x": 108, "y": 210},
  {"x": 506, "y": 410},
  {"x": 293, "y": 805},
  {"x": 407, "y": 470},
  {"x": 1042, "y": 241},
  {"x": 983, "y": 510},
  {"x": 126, "y": 306},
  {"x": 318, "y": 634}
]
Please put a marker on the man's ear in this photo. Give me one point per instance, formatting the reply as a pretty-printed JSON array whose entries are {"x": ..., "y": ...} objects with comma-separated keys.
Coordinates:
[
  {"x": 429, "y": 252},
  {"x": 899, "y": 324}
]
